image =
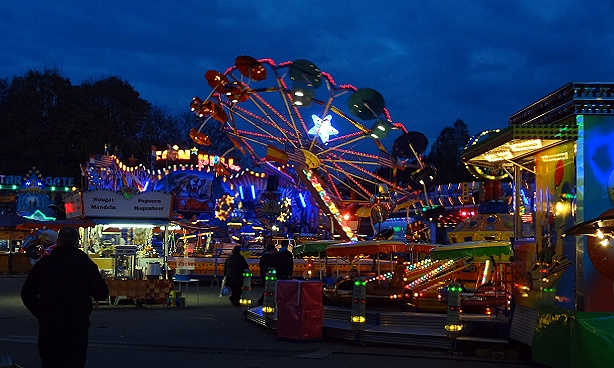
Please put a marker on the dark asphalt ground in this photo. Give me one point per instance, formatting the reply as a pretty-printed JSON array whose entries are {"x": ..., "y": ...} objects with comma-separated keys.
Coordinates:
[{"x": 211, "y": 333}]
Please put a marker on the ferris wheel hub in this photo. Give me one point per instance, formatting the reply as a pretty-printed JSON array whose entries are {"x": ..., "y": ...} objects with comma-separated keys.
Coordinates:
[{"x": 311, "y": 160}]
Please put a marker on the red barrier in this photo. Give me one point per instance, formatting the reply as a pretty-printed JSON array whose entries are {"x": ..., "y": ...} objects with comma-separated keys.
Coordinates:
[{"x": 299, "y": 310}]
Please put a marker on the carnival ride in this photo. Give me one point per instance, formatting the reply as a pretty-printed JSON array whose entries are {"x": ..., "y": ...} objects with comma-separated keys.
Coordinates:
[
  {"x": 422, "y": 285},
  {"x": 297, "y": 122},
  {"x": 386, "y": 276},
  {"x": 487, "y": 265}
]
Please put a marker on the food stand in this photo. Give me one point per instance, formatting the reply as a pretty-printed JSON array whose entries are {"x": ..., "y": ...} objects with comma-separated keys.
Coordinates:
[{"x": 122, "y": 242}]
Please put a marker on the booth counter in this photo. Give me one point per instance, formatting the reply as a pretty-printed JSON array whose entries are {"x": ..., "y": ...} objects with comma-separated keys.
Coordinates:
[
  {"x": 20, "y": 263},
  {"x": 4, "y": 262},
  {"x": 156, "y": 291}
]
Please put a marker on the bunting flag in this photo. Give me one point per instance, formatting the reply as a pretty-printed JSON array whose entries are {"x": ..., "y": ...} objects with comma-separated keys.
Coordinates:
[
  {"x": 294, "y": 155},
  {"x": 275, "y": 154},
  {"x": 153, "y": 153},
  {"x": 83, "y": 170},
  {"x": 137, "y": 183},
  {"x": 99, "y": 161},
  {"x": 384, "y": 159}
]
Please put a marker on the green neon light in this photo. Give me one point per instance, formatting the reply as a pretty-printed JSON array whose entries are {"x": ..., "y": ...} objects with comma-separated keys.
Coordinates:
[{"x": 38, "y": 215}]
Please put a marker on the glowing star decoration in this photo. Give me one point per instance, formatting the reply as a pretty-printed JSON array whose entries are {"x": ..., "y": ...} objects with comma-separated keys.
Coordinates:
[
  {"x": 285, "y": 210},
  {"x": 223, "y": 207},
  {"x": 322, "y": 128}
]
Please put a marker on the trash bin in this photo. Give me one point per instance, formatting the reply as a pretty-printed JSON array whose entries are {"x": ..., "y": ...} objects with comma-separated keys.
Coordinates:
[{"x": 299, "y": 310}]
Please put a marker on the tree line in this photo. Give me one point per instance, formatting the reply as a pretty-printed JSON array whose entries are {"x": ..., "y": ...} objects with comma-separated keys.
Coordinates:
[{"x": 48, "y": 122}]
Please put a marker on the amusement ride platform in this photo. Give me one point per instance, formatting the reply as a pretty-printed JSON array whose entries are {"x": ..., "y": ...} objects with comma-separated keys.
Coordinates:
[{"x": 416, "y": 329}]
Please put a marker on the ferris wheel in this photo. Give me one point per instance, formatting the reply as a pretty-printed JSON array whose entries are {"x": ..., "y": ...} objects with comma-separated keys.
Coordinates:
[{"x": 292, "y": 114}]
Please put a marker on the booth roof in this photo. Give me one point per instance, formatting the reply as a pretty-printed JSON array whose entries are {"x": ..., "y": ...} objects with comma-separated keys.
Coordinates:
[
  {"x": 479, "y": 250},
  {"x": 366, "y": 247},
  {"x": 203, "y": 227},
  {"x": 11, "y": 220},
  {"x": 312, "y": 248},
  {"x": 128, "y": 222}
]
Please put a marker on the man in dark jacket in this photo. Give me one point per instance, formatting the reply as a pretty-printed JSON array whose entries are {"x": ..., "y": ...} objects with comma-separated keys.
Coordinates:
[
  {"x": 283, "y": 261},
  {"x": 58, "y": 291},
  {"x": 266, "y": 261},
  {"x": 233, "y": 272}
]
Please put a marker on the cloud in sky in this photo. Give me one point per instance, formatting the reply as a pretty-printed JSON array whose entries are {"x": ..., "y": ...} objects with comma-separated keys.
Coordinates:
[{"x": 433, "y": 61}]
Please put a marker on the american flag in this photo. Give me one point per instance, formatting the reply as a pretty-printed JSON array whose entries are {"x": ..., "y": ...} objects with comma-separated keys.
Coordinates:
[
  {"x": 294, "y": 155},
  {"x": 384, "y": 159},
  {"x": 99, "y": 161}
]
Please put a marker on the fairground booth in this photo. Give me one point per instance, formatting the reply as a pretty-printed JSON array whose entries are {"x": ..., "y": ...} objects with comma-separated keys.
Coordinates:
[
  {"x": 127, "y": 239},
  {"x": 558, "y": 152},
  {"x": 28, "y": 202}
]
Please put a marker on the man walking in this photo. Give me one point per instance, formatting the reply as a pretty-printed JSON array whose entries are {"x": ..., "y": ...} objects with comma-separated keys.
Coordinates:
[
  {"x": 58, "y": 291},
  {"x": 234, "y": 266}
]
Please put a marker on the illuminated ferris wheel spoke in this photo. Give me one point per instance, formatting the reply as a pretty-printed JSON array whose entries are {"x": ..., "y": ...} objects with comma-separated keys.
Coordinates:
[
  {"x": 365, "y": 193},
  {"x": 277, "y": 114},
  {"x": 263, "y": 127},
  {"x": 357, "y": 154},
  {"x": 333, "y": 186},
  {"x": 355, "y": 162},
  {"x": 370, "y": 174},
  {"x": 356, "y": 124},
  {"x": 291, "y": 108},
  {"x": 269, "y": 119},
  {"x": 248, "y": 138},
  {"x": 265, "y": 133},
  {"x": 332, "y": 179},
  {"x": 342, "y": 144}
]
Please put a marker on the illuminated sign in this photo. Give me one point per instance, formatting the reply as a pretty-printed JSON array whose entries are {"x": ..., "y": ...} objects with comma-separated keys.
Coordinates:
[
  {"x": 174, "y": 154},
  {"x": 555, "y": 157},
  {"x": 185, "y": 263},
  {"x": 203, "y": 159},
  {"x": 73, "y": 205},
  {"x": 108, "y": 203},
  {"x": 48, "y": 181},
  {"x": 210, "y": 160}
]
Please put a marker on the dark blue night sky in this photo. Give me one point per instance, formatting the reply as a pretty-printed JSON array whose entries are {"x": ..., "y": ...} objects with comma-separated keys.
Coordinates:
[{"x": 433, "y": 61}]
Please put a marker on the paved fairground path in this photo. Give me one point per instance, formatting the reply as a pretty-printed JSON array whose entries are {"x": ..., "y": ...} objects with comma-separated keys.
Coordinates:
[{"x": 210, "y": 332}]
